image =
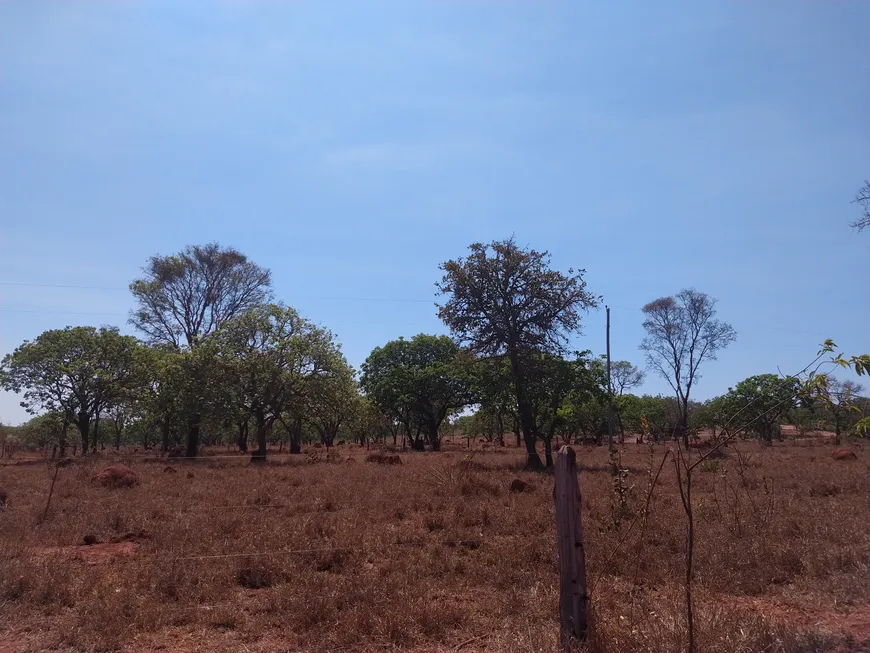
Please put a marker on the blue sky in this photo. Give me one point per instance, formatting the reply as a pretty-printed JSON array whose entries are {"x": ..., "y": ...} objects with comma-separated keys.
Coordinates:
[{"x": 352, "y": 146}]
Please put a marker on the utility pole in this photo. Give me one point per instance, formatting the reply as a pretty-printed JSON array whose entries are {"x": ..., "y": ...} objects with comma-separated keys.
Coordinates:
[{"x": 609, "y": 388}]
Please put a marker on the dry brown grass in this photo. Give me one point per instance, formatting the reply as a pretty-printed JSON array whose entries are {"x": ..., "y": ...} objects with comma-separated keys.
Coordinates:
[{"x": 434, "y": 554}]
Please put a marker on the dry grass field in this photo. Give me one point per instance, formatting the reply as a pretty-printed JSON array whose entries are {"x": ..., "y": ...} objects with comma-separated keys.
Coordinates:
[{"x": 435, "y": 554}]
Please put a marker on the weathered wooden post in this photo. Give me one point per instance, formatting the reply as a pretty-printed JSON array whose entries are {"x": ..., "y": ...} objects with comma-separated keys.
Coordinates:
[{"x": 573, "y": 599}]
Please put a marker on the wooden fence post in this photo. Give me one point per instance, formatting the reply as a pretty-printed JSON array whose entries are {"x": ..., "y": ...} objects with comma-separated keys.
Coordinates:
[{"x": 573, "y": 599}]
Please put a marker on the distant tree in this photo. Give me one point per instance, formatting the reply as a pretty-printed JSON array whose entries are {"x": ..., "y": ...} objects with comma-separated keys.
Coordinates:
[
  {"x": 372, "y": 424},
  {"x": 268, "y": 358},
  {"x": 715, "y": 414},
  {"x": 421, "y": 381},
  {"x": 863, "y": 200},
  {"x": 186, "y": 297},
  {"x": 45, "y": 431},
  {"x": 844, "y": 402},
  {"x": 583, "y": 411},
  {"x": 506, "y": 301},
  {"x": 661, "y": 415},
  {"x": 333, "y": 399},
  {"x": 497, "y": 405},
  {"x": 760, "y": 401},
  {"x": 681, "y": 334},
  {"x": 624, "y": 376},
  {"x": 77, "y": 371}
]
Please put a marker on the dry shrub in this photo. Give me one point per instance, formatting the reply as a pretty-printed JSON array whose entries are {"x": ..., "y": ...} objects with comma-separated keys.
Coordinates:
[
  {"x": 367, "y": 559},
  {"x": 383, "y": 458},
  {"x": 255, "y": 575},
  {"x": 518, "y": 485}
]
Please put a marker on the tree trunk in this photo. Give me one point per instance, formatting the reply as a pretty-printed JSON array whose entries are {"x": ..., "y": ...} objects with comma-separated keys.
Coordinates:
[
  {"x": 84, "y": 425},
  {"x": 527, "y": 421},
  {"x": 621, "y": 428},
  {"x": 193, "y": 435},
  {"x": 263, "y": 425},
  {"x": 548, "y": 451},
  {"x": 434, "y": 436},
  {"x": 243, "y": 436},
  {"x": 97, "y": 439},
  {"x": 164, "y": 434},
  {"x": 684, "y": 423},
  {"x": 117, "y": 437},
  {"x": 63, "y": 436},
  {"x": 296, "y": 436}
]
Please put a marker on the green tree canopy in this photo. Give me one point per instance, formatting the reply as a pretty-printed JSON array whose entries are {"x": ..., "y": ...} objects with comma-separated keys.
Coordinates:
[
  {"x": 759, "y": 402},
  {"x": 269, "y": 356},
  {"x": 420, "y": 382},
  {"x": 503, "y": 300},
  {"x": 76, "y": 371},
  {"x": 184, "y": 298}
]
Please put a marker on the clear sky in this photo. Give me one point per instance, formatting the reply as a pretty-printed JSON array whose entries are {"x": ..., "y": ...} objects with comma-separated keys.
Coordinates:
[{"x": 352, "y": 146}]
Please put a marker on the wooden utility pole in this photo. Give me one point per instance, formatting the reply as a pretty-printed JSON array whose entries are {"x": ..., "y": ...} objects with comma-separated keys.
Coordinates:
[
  {"x": 609, "y": 388},
  {"x": 573, "y": 600}
]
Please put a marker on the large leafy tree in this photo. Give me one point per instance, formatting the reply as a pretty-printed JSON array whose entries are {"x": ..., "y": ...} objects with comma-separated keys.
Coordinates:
[
  {"x": 76, "y": 371},
  {"x": 183, "y": 298},
  {"x": 270, "y": 356},
  {"x": 682, "y": 333},
  {"x": 760, "y": 401},
  {"x": 506, "y": 301},
  {"x": 421, "y": 381}
]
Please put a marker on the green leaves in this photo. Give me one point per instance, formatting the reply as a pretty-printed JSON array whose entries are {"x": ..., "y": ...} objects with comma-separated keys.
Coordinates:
[
  {"x": 77, "y": 371},
  {"x": 420, "y": 380},
  {"x": 270, "y": 358},
  {"x": 502, "y": 296},
  {"x": 760, "y": 401}
]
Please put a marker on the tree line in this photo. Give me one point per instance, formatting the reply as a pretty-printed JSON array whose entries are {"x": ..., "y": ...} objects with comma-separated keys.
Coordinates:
[{"x": 220, "y": 361}]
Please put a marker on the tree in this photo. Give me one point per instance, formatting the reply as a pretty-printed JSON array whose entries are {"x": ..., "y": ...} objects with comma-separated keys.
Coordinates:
[
  {"x": 497, "y": 405},
  {"x": 77, "y": 371},
  {"x": 583, "y": 411},
  {"x": 761, "y": 401},
  {"x": 333, "y": 399},
  {"x": 681, "y": 334},
  {"x": 504, "y": 301},
  {"x": 420, "y": 381},
  {"x": 559, "y": 390},
  {"x": 863, "y": 200},
  {"x": 843, "y": 402},
  {"x": 45, "y": 431},
  {"x": 268, "y": 356},
  {"x": 372, "y": 424},
  {"x": 184, "y": 298},
  {"x": 625, "y": 377}
]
